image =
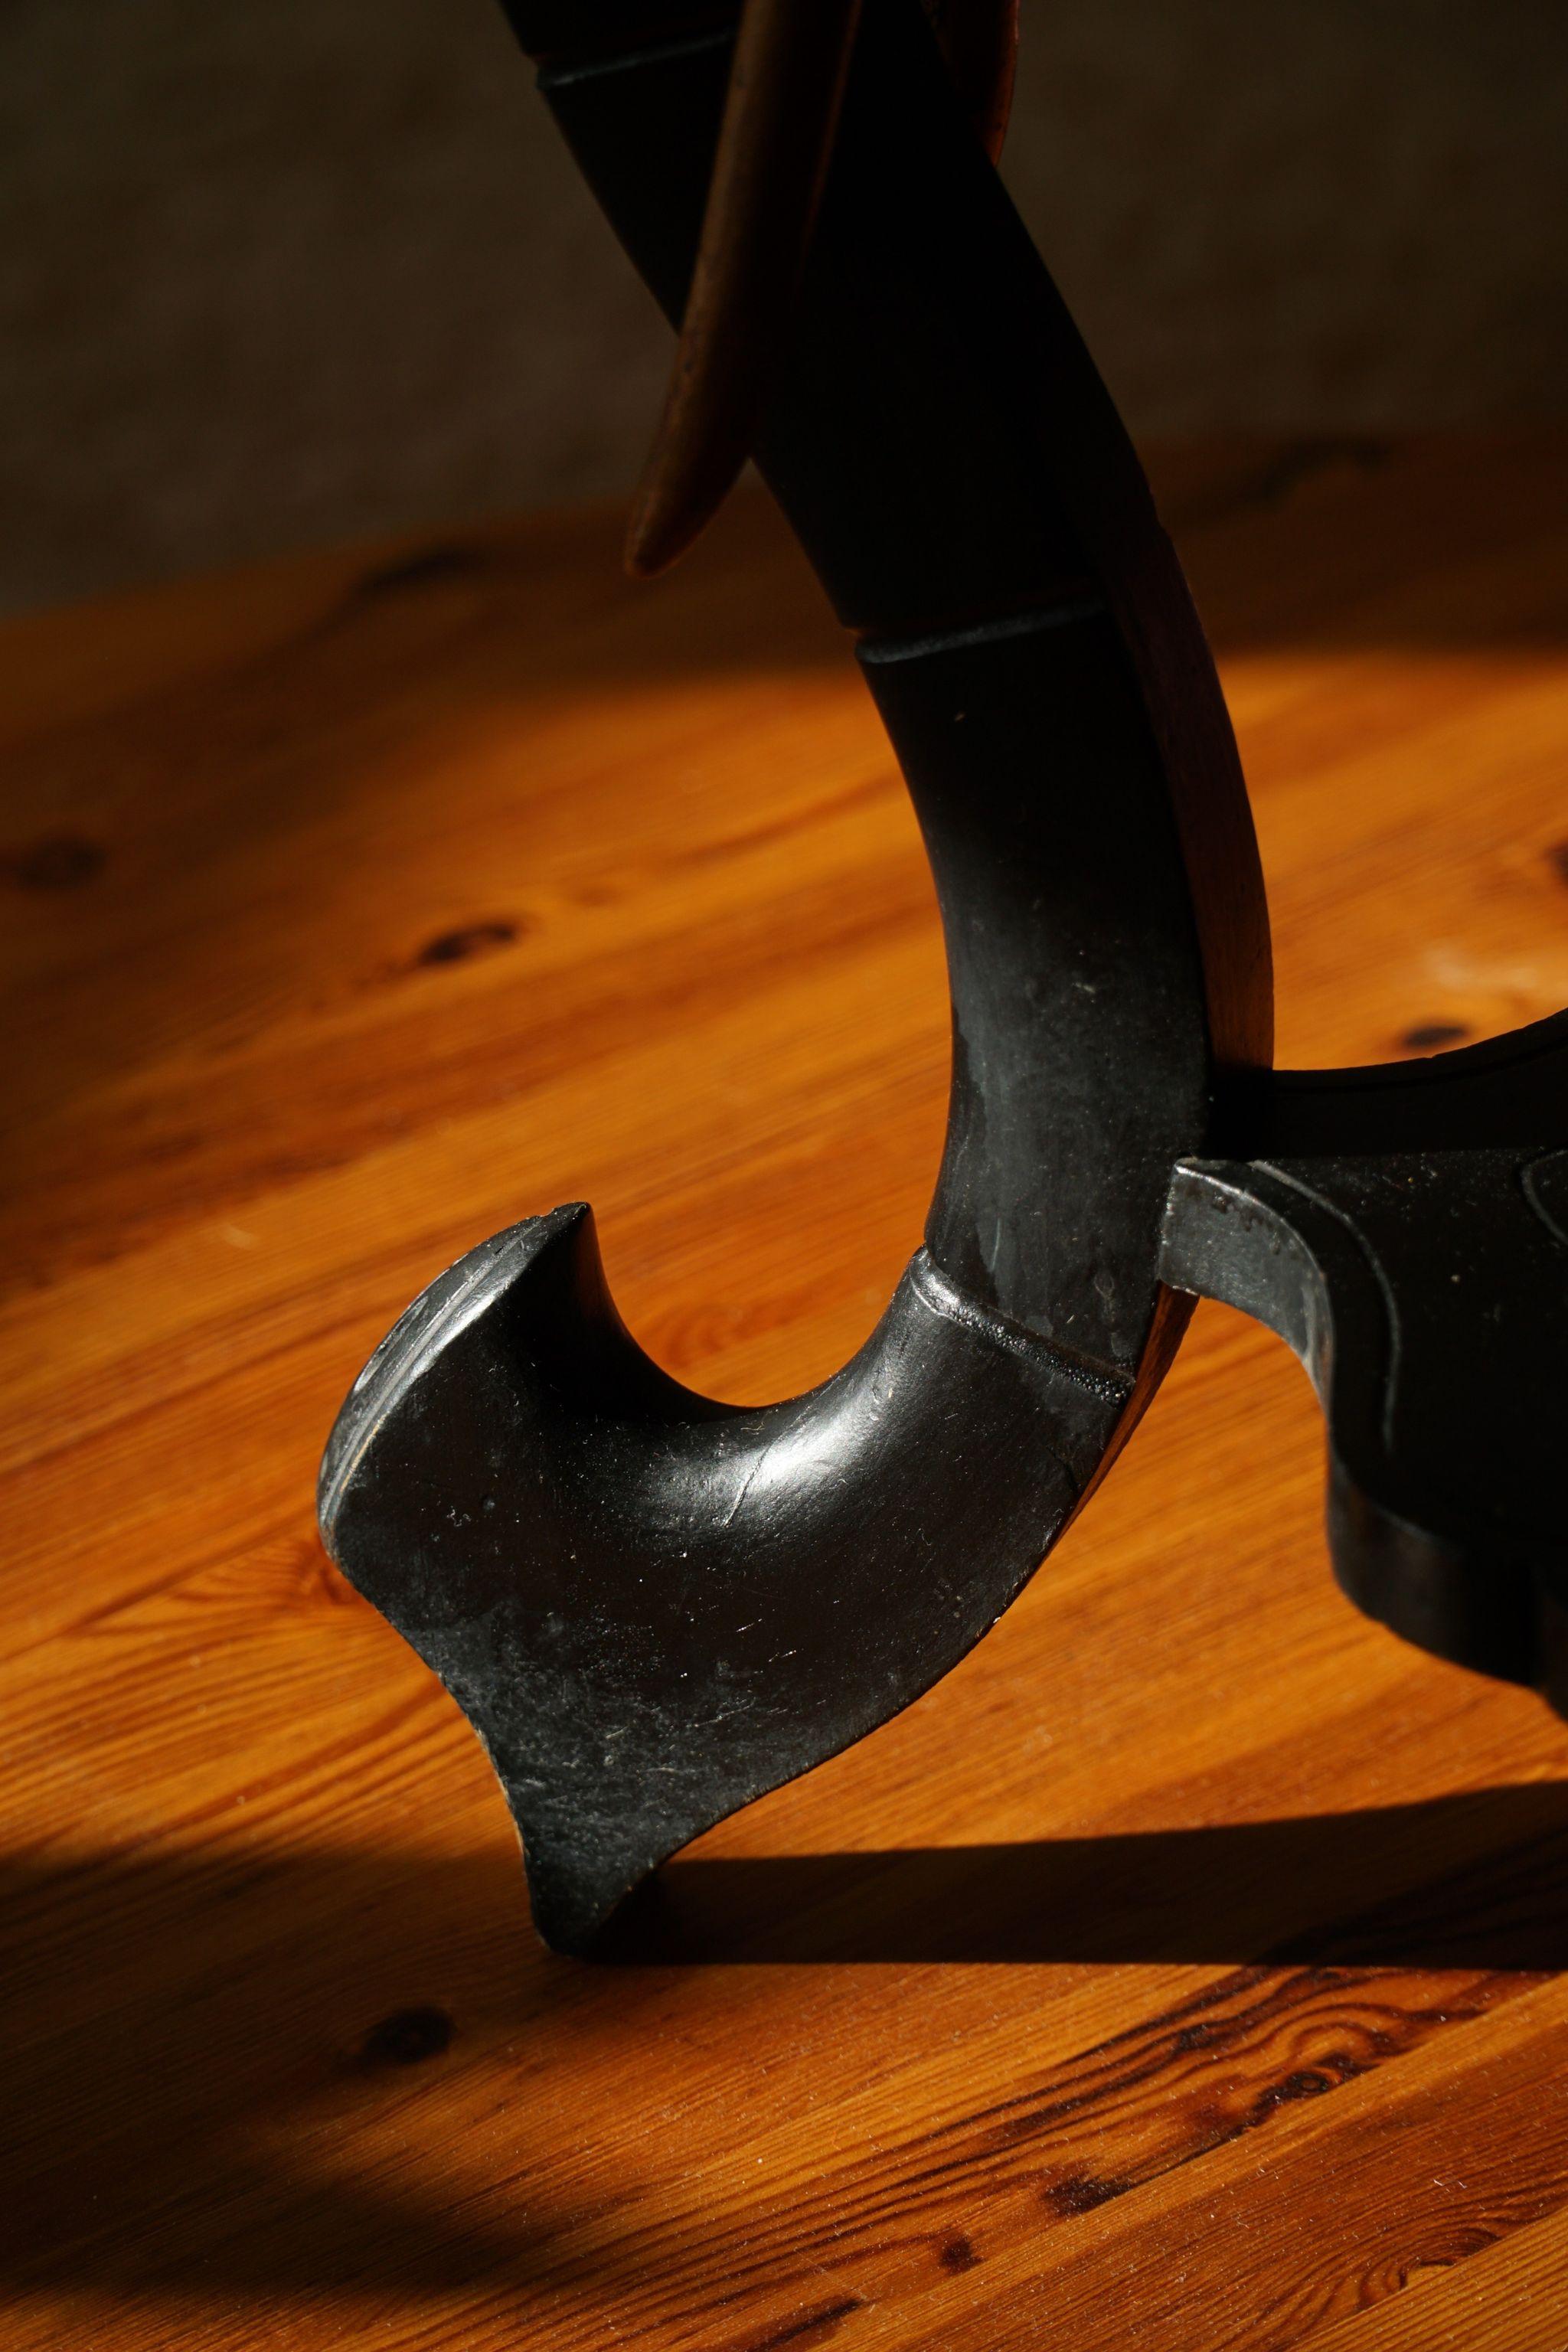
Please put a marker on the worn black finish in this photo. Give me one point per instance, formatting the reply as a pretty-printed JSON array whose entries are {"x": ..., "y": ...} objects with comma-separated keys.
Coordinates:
[
  {"x": 1405, "y": 1229},
  {"x": 1071, "y": 960},
  {"x": 652, "y": 1607}
]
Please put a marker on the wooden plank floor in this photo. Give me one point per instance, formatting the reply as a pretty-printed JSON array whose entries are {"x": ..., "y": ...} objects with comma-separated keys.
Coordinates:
[{"x": 1185, "y": 1970}]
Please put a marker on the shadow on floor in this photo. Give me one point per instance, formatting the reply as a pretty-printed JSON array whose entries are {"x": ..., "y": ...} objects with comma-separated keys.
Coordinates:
[
  {"x": 1474, "y": 1880},
  {"x": 233, "y": 2076}
]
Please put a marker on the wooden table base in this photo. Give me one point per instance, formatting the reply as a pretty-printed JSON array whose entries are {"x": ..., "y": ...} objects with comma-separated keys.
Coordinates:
[{"x": 1185, "y": 1970}]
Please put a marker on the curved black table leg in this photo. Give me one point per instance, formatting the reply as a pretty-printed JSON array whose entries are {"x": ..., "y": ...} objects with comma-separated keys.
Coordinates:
[{"x": 653, "y": 1607}]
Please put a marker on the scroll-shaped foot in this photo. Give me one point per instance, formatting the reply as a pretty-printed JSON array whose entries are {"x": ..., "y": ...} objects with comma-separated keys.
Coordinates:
[
  {"x": 653, "y": 1607},
  {"x": 1407, "y": 1231}
]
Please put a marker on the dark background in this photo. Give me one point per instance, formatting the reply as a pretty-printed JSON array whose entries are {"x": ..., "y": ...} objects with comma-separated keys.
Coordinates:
[{"x": 276, "y": 271}]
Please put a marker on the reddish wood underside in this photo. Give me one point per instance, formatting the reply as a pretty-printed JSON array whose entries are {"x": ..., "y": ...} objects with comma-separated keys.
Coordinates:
[{"x": 361, "y": 903}]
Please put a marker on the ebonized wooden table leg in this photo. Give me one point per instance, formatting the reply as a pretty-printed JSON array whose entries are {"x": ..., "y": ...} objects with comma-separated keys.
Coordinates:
[{"x": 654, "y": 1607}]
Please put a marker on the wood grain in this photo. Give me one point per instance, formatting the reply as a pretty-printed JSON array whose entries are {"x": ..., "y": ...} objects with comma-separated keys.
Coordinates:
[{"x": 1186, "y": 1969}]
